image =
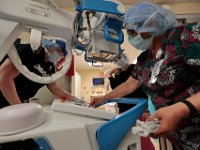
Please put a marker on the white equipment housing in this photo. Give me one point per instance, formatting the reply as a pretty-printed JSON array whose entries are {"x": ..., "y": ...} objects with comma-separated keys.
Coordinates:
[
  {"x": 69, "y": 131},
  {"x": 102, "y": 49},
  {"x": 26, "y": 15}
]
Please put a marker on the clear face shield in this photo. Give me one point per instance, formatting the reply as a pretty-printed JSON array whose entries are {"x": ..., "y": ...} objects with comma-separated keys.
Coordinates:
[
  {"x": 57, "y": 60},
  {"x": 56, "y": 52}
]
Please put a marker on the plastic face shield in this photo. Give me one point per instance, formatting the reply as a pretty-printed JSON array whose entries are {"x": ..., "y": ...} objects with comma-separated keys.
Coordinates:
[
  {"x": 57, "y": 59},
  {"x": 55, "y": 52}
]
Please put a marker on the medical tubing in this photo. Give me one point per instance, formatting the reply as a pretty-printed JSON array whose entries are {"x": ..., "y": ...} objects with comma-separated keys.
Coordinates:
[
  {"x": 102, "y": 18},
  {"x": 75, "y": 24}
]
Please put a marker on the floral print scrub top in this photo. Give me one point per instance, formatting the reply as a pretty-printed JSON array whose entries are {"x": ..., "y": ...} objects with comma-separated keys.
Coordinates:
[{"x": 178, "y": 79}]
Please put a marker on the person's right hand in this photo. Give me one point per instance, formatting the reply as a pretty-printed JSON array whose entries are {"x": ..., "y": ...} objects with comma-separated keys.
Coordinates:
[{"x": 96, "y": 102}]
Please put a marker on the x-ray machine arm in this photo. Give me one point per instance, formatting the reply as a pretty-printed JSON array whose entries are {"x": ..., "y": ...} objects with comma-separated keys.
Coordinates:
[{"x": 104, "y": 38}]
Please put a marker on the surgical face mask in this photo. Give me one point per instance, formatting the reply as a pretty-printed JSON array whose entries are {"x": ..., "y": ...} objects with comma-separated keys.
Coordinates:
[
  {"x": 139, "y": 43},
  {"x": 54, "y": 57}
]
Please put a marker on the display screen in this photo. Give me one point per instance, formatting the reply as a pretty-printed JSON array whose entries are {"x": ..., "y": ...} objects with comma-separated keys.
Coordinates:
[{"x": 98, "y": 81}]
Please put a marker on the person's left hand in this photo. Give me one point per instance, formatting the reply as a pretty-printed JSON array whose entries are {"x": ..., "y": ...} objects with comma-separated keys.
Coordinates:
[{"x": 169, "y": 118}]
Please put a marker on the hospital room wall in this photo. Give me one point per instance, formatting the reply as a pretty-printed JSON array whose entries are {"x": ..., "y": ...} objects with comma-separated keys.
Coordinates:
[{"x": 88, "y": 90}]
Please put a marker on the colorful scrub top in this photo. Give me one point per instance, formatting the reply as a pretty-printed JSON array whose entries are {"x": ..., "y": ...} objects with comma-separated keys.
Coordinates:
[{"x": 178, "y": 79}]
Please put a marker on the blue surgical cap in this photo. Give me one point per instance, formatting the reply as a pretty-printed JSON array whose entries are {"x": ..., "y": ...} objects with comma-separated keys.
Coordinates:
[
  {"x": 55, "y": 43},
  {"x": 149, "y": 17}
]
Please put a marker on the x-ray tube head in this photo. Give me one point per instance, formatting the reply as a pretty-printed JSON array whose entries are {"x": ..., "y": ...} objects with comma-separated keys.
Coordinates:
[{"x": 102, "y": 50}]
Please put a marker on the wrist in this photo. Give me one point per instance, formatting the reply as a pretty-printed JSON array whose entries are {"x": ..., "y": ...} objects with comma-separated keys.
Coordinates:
[
  {"x": 182, "y": 110},
  {"x": 190, "y": 107},
  {"x": 185, "y": 111}
]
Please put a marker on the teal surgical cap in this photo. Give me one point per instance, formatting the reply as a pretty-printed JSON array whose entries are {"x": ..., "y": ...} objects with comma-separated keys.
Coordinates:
[{"x": 149, "y": 17}]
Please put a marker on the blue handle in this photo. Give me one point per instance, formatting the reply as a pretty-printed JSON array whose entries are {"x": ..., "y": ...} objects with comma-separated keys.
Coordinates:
[
  {"x": 115, "y": 26},
  {"x": 102, "y": 6},
  {"x": 118, "y": 127}
]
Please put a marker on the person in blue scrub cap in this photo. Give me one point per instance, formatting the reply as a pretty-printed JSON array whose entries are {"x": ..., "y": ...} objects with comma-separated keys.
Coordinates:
[
  {"x": 168, "y": 70},
  {"x": 144, "y": 22},
  {"x": 55, "y": 48},
  {"x": 15, "y": 88}
]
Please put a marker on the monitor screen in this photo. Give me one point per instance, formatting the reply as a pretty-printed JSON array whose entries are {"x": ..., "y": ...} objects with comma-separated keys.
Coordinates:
[{"x": 98, "y": 81}]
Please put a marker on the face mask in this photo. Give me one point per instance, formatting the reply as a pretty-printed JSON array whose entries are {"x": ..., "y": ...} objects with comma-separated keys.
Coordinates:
[
  {"x": 54, "y": 57},
  {"x": 139, "y": 43}
]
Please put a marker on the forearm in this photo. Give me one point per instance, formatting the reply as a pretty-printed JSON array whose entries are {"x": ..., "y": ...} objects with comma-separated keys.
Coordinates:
[
  {"x": 7, "y": 74},
  {"x": 184, "y": 109},
  {"x": 57, "y": 91},
  {"x": 61, "y": 93},
  {"x": 9, "y": 92},
  {"x": 123, "y": 89},
  {"x": 194, "y": 100}
]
